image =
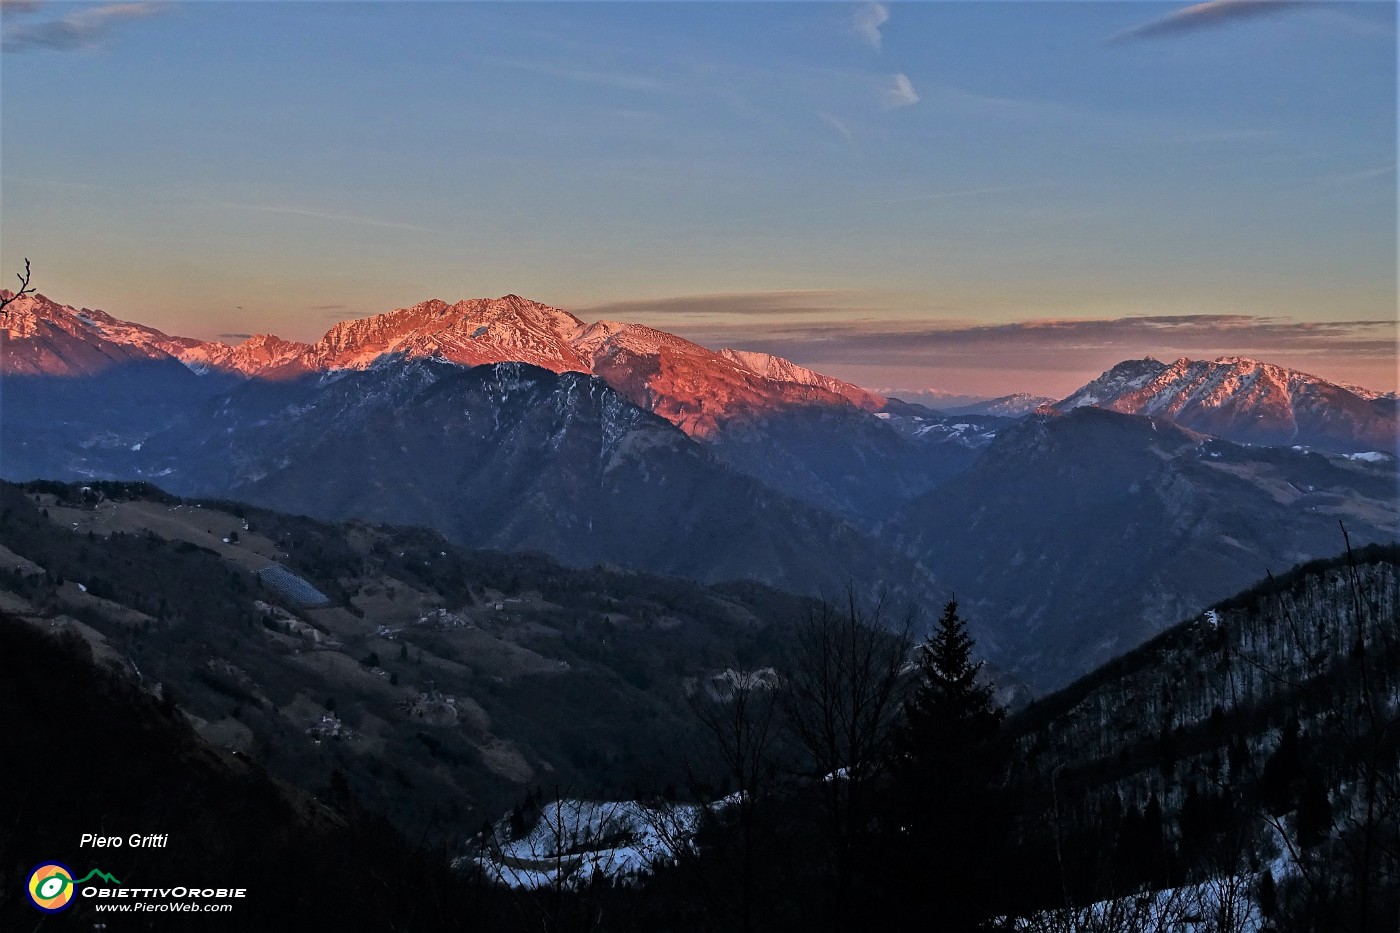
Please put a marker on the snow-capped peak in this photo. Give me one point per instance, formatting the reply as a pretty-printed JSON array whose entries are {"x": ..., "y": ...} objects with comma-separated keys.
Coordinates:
[
  {"x": 1244, "y": 399},
  {"x": 472, "y": 332},
  {"x": 46, "y": 338}
]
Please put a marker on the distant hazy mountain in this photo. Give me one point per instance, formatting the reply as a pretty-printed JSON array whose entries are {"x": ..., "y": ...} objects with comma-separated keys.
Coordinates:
[
  {"x": 1006, "y": 406},
  {"x": 846, "y": 461},
  {"x": 935, "y": 399},
  {"x": 1077, "y": 536},
  {"x": 1247, "y": 401},
  {"x": 953, "y": 403}
]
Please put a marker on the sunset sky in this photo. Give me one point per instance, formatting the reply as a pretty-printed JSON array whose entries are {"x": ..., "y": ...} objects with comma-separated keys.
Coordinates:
[{"x": 979, "y": 197}]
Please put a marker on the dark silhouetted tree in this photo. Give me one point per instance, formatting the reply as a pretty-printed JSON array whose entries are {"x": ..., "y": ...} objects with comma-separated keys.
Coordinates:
[
  {"x": 842, "y": 708},
  {"x": 949, "y": 826},
  {"x": 1314, "y": 813}
]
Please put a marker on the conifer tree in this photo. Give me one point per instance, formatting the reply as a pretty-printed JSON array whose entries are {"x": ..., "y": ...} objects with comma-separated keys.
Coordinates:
[
  {"x": 950, "y": 710},
  {"x": 1283, "y": 771},
  {"x": 949, "y": 824}
]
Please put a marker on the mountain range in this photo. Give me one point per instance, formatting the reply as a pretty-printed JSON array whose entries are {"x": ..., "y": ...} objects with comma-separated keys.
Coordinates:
[
  {"x": 695, "y": 388},
  {"x": 699, "y": 390},
  {"x": 1076, "y": 530}
]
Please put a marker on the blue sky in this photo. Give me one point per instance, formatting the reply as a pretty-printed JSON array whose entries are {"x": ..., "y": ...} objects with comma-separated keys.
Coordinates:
[{"x": 906, "y": 195}]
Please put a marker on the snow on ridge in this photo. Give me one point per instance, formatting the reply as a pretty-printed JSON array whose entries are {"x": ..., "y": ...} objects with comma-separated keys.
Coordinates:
[
  {"x": 66, "y": 339},
  {"x": 1121, "y": 378},
  {"x": 1227, "y": 381},
  {"x": 588, "y": 341},
  {"x": 471, "y": 332},
  {"x": 778, "y": 369},
  {"x": 636, "y": 338}
]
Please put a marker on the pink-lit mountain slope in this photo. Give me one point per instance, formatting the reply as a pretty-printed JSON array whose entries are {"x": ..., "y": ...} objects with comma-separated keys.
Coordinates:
[
  {"x": 471, "y": 333},
  {"x": 700, "y": 390},
  {"x": 45, "y": 338},
  {"x": 1246, "y": 401},
  {"x": 693, "y": 387},
  {"x": 781, "y": 370}
]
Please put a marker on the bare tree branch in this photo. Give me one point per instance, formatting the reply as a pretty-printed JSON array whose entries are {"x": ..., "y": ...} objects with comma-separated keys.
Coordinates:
[{"x": 24, "y": 288}]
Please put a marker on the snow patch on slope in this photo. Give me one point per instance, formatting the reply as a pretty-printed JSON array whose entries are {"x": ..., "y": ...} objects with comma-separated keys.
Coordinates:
[{"x": 575, "y": 841}]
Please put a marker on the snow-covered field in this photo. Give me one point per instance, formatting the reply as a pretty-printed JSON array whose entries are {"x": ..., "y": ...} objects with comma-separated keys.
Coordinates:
[{"x": 574, "y": 841}]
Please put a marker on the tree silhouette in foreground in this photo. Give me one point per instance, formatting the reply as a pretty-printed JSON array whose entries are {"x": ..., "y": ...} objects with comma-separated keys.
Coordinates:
[
  {"x": 948, "y": 825},
  {"x": 842, "y": 712}
]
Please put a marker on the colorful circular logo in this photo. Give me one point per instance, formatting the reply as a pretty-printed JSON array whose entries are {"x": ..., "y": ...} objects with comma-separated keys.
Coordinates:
[{"x": 51, "y": 887}]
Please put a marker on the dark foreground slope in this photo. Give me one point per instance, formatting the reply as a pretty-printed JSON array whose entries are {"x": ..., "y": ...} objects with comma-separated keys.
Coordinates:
[
  {"x": 439, "y": 684},
  {"x": 1262, "y": 737},
  {"x": 86, "y": 750}
]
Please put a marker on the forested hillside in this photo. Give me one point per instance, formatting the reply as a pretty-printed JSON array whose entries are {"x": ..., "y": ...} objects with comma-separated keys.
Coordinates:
[{"x": 440, "y": 683}]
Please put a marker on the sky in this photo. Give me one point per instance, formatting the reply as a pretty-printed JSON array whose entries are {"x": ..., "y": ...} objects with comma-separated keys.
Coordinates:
[{"x": 976, "y": 197}]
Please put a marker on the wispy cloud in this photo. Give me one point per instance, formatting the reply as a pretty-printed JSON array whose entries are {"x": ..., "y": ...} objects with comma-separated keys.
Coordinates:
[
  {"x": 1201, "y": 16},
  {"x": 1020, "y": 109},
  {"x": 837, "y": 125},
  {"x": 290, "y": 210},
  {"x": 1222, "y": 136},
  {"x": 1122, "y": 124},
  {"x": 86, "y": 28},
  {"x": 617, "y": 80},
  {"x": 867, "y": 20},
  {"x": 1361, "y": 175},
  {"x": 233, "y": 336},
  {"x": 736, "y": 305},
  {"x": 898, "y": 93},
  {"x": 315, "y": 214},
  {"x": 19, "y": 6},
  {"x": 850, "y": 207},
  {"x": 1057, "y": 343}
]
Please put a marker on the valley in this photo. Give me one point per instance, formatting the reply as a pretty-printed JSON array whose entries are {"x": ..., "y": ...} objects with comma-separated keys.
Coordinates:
[{"x": 566, "y": 735}]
